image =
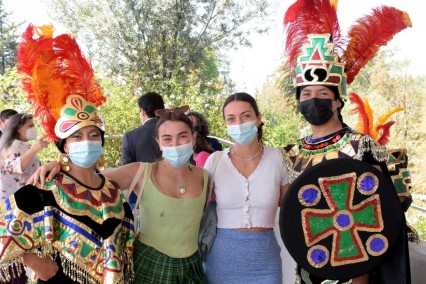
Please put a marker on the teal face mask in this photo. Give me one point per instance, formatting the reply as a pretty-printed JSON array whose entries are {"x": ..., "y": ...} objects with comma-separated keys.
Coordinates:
[
  {"x": 179, "y": 155},
  {"x": 243, "y": 133},
  {"x": 85, "y": 153}
]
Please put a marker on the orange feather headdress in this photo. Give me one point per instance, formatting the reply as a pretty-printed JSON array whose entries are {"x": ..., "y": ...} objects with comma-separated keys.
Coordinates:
[
  {"x": 59, "y": 81},
  {"x": 379, "y": 131},
  {"x": 318, "y": 54}
]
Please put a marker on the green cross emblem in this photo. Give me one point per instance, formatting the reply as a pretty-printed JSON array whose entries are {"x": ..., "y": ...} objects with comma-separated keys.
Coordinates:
[{"x": 343, "y": 220}]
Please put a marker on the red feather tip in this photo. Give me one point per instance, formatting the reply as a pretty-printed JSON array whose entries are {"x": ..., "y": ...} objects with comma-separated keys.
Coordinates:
[
  {"x": 385, "y": 132},
  {"x": 310, "y": 17},
  {"x": 369, "y": 34}
]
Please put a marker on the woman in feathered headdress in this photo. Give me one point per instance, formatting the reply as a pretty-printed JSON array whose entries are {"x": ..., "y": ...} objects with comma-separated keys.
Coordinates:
[
  {"x": 78, "y": 227},
  {"x": 322, "y": 63},
  {"x": 174, "y": 193}
]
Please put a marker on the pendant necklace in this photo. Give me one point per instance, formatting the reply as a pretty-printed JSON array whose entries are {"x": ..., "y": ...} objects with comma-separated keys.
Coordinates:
[
  {"x": 182, "y": 189},
  {"x": 181, "y": 186}
]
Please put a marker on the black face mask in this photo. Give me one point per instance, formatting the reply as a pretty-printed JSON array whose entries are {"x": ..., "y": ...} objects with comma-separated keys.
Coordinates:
[{"x": 317, "y": 111}]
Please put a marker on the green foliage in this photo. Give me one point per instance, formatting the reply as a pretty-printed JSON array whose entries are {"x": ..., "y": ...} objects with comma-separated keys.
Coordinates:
[
  {"x": 159, "y": 41},
  {"x": 11, "y": 95},
  {"x": 417, "y": 218},
  {"x": 8, "y": 40},
  {"x": 204, "y": 97},
  {"x": 277, "y": 104}
]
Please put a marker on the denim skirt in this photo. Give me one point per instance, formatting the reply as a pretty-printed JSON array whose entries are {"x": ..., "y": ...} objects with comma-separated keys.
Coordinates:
[{"x": 244, "y": 257}]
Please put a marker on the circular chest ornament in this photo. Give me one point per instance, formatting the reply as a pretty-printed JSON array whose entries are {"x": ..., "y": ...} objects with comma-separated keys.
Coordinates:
[{"x": 340, "y": 218}]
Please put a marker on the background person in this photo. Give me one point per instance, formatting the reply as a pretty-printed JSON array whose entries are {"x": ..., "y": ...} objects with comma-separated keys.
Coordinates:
[
  {"x": 201, "y": 126},
  {"x": 18, "y": 157},
  {"x": 139, "y": 145},
  {"x": 5, "y": 116}
]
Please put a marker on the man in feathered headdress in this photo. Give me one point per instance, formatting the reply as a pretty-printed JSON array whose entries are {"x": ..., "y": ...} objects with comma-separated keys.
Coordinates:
[{"x": 341, "y": 218}]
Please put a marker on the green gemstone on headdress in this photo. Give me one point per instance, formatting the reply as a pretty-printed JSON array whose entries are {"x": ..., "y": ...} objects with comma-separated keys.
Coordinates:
[
  {"x": 70, "y": 111},
  {"x": 89, "y": 109}
]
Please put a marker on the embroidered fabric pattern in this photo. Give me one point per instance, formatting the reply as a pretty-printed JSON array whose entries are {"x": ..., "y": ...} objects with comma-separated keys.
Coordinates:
[
  {"x": 77, "y": 200},
  {"x": 87, "y": 254},
  {"x": 345, "y": 144}
]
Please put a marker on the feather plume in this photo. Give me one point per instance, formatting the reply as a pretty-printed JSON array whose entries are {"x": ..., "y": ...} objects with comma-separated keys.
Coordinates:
[
  {"x": 383, "y": 118},
  {"x": 306, "y": 17},
  {"x": 379, "y": 131},
  {"x": 384, "y": 131},
  {"x": 369, "y": 113},
  {"x": 363, "y": 125},
  {"x": 369, "y": 33},
  {"x": 53, "y": 69},
  {"x": 32, "y": 58}
]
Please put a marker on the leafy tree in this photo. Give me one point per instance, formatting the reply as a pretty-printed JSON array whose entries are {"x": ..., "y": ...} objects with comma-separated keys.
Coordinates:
[
  {"x": 160, "y": 40},
  {"x": 8, "y": 40},
  {"x": 11, "y": 95},
  {"x": 279, "y": 110}
]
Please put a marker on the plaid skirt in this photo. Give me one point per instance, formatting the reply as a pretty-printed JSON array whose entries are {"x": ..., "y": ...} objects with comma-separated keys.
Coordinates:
[{"x": 152, "y": 266}]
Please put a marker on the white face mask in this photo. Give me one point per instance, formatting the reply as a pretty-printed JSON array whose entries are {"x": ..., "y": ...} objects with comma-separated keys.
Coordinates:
[
  {"x": 85, "y": 153},
  {"x": 31, "y": 133},
  {"x": 243, "y": 133},
  {"x": 178, "y": 155}
]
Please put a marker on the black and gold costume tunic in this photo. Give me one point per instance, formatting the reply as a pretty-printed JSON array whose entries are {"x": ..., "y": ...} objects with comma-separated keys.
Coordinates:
[
  {"x": 88, "y": 231},
  {"x": 347, "y": 144}
]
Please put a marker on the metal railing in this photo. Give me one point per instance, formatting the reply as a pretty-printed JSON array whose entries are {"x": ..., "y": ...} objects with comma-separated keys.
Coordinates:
[{"x": 230, "y": 143}]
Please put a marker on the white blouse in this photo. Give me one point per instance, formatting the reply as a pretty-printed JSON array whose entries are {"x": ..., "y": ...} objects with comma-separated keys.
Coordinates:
[
  {"x": 251, "y": 202},
  {"x": 12, "y": 177}
]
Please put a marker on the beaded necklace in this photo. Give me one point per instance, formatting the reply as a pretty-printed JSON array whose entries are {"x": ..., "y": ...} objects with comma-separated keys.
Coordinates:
[{"x": 311, "y": 140}]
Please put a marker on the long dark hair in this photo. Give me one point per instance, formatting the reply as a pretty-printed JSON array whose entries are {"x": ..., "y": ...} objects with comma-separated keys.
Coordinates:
[
  {"x": 11, "y": 132},
  {"x": 202, "y": 128},
  {"x": 244, "y": 97}
]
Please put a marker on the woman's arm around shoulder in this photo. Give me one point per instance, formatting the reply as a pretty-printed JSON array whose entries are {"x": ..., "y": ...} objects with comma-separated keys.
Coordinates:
[{"x": 123, "y": 175}]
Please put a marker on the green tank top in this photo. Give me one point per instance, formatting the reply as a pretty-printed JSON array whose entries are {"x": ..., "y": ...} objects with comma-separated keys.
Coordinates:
[{"x": 170, "y": 225}]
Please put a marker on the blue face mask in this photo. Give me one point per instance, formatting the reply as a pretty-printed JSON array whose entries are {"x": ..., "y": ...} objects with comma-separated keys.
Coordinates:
[
  {"x": 85, "y": 153},
  {"x": 179, "y": 155},
  {"x": 244, "y": 133}
]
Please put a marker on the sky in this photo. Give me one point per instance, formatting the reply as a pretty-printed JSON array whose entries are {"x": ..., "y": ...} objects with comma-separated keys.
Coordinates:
[{"x": 250, "y": 67}]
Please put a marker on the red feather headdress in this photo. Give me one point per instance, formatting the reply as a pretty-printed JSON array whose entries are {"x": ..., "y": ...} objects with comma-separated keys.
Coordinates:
[
  {"x": 315, "y": 62},
  {"x": 59, "y": 81}
]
